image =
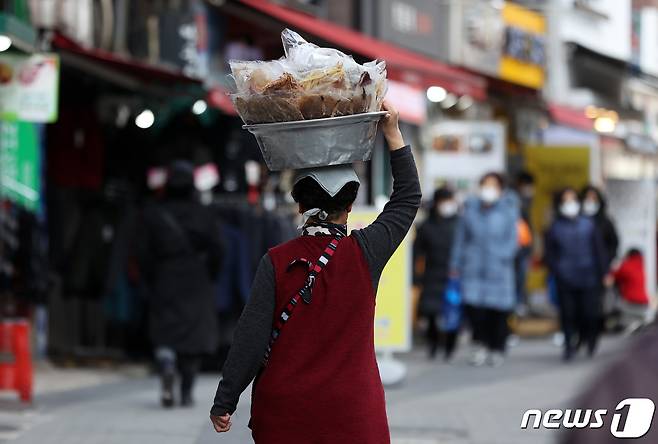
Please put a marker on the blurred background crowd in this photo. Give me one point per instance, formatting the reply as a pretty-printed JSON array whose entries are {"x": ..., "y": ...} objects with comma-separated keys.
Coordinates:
[{"x": 534, "y": 125}]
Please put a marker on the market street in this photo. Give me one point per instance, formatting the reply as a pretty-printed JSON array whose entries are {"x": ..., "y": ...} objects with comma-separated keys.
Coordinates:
[{"x": 437, "y": 404}]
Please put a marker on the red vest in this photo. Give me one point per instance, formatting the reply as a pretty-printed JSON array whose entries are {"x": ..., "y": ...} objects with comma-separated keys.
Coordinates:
[{"x": 322, "y": 384}]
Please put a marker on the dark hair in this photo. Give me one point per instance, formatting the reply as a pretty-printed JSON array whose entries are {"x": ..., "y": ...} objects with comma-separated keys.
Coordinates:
[
  {"x": 502, "y": 183},
  {"x": 634, "y": 252},
  {"x": 443, "y": 193},
  {"x": 524, "y": 178},
  {"x": 180, "y": 183},
  {"x": 309, "y": 194},
  {"x": 557, "y": 197}
]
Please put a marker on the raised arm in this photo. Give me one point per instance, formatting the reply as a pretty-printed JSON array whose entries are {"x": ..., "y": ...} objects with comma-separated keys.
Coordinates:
[
  {"x": 380, "y": 239},
  {"x": 249, "y": 342}
]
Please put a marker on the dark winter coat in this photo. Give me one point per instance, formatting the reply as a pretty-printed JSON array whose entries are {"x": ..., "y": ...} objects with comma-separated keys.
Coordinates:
[
  {"x": 180, "y": 253},
  {"x": 606, "y": 229},
  {"x": 434, "y": 240},
  {"x": 574, "y": 252},
  {"x": 483, "y": 254}
]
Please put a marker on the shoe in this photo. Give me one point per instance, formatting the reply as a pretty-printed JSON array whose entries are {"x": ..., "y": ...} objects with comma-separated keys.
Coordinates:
[
  {"x": 187, "y": 400},
  {"x": 495, "y": 359},
  {"x": 478, "y": 357},
  {"x": 567, "y": 355},
  {"x": 167, "y": 394}
]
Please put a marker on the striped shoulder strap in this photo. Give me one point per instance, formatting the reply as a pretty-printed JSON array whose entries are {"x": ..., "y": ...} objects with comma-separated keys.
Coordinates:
[{"x": 305, "y": 293}]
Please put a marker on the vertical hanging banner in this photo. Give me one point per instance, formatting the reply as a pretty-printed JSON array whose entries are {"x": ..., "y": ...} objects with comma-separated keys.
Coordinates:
[
  {"x": 20, "y": 163},
  {"x": 29, "y": 87},
  {"x": 393, "y": 312}
]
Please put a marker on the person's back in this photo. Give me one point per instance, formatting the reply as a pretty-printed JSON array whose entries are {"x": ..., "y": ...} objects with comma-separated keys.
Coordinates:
[
  {"x": 307, "y": 332},
  {"x": 180, "y": 252},
  {"x": 325, "y": 357}
]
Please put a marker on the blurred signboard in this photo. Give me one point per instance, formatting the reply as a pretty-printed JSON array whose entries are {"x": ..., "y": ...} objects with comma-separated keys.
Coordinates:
[
  {"x": 29, "y": 87},
  {"x": 393, "y": 305},
  {"x": 507, "y": 42},
  {"x": 20, "y": 163},
  {"x": 413, "y": 24},
  {"x": 461, "y": 151}
]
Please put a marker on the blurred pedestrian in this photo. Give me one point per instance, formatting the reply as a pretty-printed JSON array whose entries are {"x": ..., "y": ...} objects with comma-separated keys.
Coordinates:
[
  {"x": 630, "y": 279},
  {"x": 180, "y": 253},
  {"x": 434, "y": 239},
  {"x": 483, "y": 255},
  {"x": 307, "y": 332},
  {"x": 525, "y": 187},
  {"x": 576, "y": 260},
  {"x": 595, "y": 206}
]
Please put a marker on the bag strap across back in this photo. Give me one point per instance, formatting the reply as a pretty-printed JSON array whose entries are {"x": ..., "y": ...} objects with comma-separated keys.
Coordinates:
[{"x": 305, "y": 294}]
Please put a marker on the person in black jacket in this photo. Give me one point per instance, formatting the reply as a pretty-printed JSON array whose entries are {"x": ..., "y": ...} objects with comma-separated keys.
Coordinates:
[
  {"x": 180, "y": 252},
  {"x": 595, "y": 206},
  {"x": 433, "y": 242},
  {"x": 575, "y": 258}
]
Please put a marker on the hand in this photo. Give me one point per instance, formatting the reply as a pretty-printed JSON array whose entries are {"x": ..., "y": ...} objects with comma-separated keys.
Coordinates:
[
  {"x": 390, "y": 127},
  {"x": 221, "y": 423},
  {"x": 608, "y": 280},
  {"x": 453, "y": 274}
]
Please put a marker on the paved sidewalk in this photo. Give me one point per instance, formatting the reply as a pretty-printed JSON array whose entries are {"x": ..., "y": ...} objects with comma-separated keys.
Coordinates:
[{"x": 437, "y": 404}]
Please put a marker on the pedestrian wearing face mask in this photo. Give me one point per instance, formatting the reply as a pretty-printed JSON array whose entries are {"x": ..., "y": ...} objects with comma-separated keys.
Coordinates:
[
  {"x": 575, "y": 257},
  {"x": 434, "y": 239},
  {"x": 595, "y": 206},
  {"x": 482, "y": 257}
]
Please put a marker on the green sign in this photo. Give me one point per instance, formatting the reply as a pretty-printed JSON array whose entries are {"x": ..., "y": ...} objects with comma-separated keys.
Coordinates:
[{"x": 20, "y": 163}]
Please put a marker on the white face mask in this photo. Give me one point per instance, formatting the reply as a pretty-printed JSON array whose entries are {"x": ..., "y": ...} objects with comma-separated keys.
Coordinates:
[
  {"x": 570, "y": 209},
  {"x": 448, "y": 208},
  {"x": 489, "y": 194},
  {"x": 591, "y": 207}
]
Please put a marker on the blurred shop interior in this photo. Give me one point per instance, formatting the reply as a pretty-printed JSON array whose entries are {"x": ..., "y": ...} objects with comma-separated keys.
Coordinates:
[{"x": 565, "y": 90}]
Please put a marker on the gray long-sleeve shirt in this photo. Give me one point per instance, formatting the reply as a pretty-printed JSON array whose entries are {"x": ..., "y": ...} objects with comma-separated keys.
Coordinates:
[{"x": 378, "y": 241}]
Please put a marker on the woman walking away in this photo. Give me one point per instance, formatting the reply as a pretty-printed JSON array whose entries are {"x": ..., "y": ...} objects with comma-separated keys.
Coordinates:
[
  {"x": 574, "y": 256},
  {"x": 180, "y": 253},
  {"x": 433, "y": 242},
  {"x": 311, "y": 314},
  {"x": 483, "y": 259}
]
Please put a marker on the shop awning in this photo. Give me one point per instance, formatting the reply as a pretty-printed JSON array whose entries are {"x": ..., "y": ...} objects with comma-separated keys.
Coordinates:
[
  {"x": 124, "y": 71},
  {"x": 571, "y": 117},
  {"x": 23, "y": 36},
  {"x": 402, "y": 64}
]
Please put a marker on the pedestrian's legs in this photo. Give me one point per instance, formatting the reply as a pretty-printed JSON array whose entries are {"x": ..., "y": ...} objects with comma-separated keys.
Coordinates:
[
  {"x": 451, "y": 343},
  {"x": 568, "y": 314},
  {"x": 188, "y": 366},
  {"x": 475, "y": 320},
  {"x": 432, "y": 335},
  {"x": 166, "y": 361},
  {"x": 499, "y": 330},
  {"x": 591, "y": 317}
]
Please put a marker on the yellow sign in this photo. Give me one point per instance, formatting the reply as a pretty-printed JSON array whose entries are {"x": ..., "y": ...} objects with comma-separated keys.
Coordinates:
[
  {"x": 392, "y": 314},
  {"x": 524, "y": 54}
]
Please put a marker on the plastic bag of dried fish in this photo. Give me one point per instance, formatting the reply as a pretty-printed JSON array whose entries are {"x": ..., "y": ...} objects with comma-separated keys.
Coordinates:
[{"x": 309, "y": 82}]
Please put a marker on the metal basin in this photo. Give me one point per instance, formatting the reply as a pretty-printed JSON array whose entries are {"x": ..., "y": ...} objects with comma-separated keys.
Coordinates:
[{"x": 317, "y": 142}]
